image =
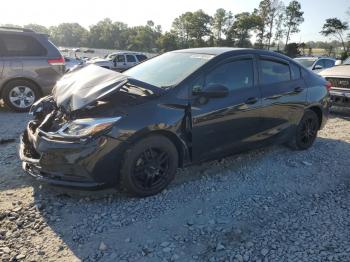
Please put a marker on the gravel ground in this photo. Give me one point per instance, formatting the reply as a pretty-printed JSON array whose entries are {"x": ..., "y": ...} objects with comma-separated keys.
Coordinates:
[{"x": 272, "y": 204}]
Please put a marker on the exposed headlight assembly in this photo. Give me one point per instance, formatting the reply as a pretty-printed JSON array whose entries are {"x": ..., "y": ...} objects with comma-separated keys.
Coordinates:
[{"x": 86, "y": 127}]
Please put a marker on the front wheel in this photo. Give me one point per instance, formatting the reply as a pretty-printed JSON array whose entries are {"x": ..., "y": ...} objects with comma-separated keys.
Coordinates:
[
  {"x": 306, "y": 131},
  {"x": 149, "y": 166}
]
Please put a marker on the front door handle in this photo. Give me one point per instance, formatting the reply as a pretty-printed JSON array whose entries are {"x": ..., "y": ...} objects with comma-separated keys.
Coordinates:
[{"x": 251, "y": 101}]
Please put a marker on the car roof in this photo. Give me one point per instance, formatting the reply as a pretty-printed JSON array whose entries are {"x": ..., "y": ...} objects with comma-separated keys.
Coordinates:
[
  {"x": 219, "y": 51},
  {"x": 315, "y": 57},
  {"x": 210, "y": 50},
  {"x": 19, "y": 31},
  {"x": 125, "y": 53}
]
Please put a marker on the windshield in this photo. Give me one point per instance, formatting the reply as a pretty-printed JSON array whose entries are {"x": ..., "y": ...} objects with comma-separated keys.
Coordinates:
[
  {"x": 168, "y": 69},
  {"x": 307, "y": 62},
  {"x": 347, "y": 61}
]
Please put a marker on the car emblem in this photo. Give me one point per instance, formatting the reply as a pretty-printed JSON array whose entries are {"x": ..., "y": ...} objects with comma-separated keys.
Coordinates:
[{"x": 344, "y": 82}]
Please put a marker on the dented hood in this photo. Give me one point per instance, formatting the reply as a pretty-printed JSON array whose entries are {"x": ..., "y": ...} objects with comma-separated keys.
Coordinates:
[{"x": 89, "y": 84}]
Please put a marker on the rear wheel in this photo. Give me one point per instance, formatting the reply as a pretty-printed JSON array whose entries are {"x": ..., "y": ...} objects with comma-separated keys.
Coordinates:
[
  {"x": 306, "y": 131},
  {"x": 149, "y": 166},
  {"x": 19, "y": 95}
]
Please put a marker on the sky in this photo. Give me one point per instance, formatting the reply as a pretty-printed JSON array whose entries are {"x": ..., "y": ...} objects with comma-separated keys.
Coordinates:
[{"x": 163, "y": 12}]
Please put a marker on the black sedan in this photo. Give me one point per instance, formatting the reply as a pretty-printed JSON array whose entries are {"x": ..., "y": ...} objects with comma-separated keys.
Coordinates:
[{"x": 103, "y": 128}]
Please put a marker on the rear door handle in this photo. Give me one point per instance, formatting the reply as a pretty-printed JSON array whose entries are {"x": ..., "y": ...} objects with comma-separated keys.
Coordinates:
[
  {"x": 251, "y": 101},
  {"x": 298, "y": 89}
]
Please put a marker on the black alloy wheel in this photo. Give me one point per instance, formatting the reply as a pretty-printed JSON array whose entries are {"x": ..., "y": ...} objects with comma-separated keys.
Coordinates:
[
  {"x": 306, "y": 131},
  {"x": 149, "y": 166}
]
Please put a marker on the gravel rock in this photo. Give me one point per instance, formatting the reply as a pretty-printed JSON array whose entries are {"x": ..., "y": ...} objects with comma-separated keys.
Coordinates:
[
  {"x": 271, "y": 204},
  {"x": 102, "y": 247}
]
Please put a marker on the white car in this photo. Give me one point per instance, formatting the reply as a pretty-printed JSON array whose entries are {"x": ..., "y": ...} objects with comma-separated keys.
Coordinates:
[
  {"x": 316, "y": 64},
  {"x": 339, "y": 78},
  {"x": 119, "y": 61},
  {"x": 72, "y": 63}
]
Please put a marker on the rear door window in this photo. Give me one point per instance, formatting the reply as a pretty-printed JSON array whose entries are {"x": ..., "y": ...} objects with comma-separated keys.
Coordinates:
[
  {"x": 273, "y": 72},
  {"x": 22, "y": 45},
  {"x": 130, "y": 58}
]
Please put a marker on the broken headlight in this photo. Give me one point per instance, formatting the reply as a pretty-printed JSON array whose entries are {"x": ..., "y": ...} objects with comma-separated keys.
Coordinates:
[{"x": 87, "y": 126}]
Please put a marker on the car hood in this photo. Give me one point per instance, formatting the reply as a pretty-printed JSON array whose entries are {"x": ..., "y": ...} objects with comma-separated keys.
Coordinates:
[
  {"x": 92, "y": 83},
  {"x": 337, "y": 71}
]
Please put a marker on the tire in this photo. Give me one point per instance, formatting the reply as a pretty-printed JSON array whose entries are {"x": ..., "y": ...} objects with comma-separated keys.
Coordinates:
[
  {"x": 19, "y": 95},
  {"x": 149, "y": 166},
  {"x": 306, "y": 131}
]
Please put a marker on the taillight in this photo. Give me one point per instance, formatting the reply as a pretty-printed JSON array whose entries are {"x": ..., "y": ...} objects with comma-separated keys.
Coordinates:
[
  {"x": 328, "y": 85},
  {"x": 56, "y": 61}
]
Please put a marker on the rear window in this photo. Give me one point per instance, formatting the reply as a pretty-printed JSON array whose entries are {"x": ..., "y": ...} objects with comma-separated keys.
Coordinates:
[
  {"x": 274, "y": 72},
  {"x": 141, "y": 57},
  {"x": 21, "y": 45}
]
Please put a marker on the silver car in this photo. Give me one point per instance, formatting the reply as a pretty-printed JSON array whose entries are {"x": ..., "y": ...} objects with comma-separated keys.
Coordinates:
[
  {"x": 316, "y": 64},
  {"x": 30, "y": 65}
]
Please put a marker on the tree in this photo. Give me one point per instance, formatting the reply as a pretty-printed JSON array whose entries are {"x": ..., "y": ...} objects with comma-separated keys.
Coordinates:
[
  {"x": 144, "y": 38},
  {"x": 337, "y": 28},
  {"x": 262, "y": 14},
  {"x": 292, "y": 50},
  {"x": 222, "y": 20},
  {"x": 192, "y": 27},
  {"x": 168, "y": 41},
  {"x": 302, "y": 46},
  {"x": 181, "y": 27},
  {"x": 69, "y": 34},
  {"x": 108, "y": 34},
  {"x": 293, "y": 19},
  {"x": 276, "y": 9},
  {"x": 239, "y": 33},
  {"x": 37, "y": 28},
  {"x": 279, "y": 31}
]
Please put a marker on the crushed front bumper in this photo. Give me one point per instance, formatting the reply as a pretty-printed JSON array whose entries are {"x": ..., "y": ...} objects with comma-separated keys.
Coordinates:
[
  {"x": 89, "y": 163},
  {"x": 340, "y": 97}
]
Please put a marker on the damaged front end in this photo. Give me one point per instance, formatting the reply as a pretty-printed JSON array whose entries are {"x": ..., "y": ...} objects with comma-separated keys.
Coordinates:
[{"x": 67, "y": 142}]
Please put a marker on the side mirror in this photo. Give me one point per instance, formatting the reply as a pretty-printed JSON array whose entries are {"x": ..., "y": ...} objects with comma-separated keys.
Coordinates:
[
  {"x": 318, "y": 67},
  {"x": 213, "y": 91}
]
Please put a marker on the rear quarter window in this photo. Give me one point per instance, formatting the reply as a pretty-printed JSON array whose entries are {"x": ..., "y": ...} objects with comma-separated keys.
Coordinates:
[
  {"x": 21, "y": 45},
  {"x": 141, "y": 58}
]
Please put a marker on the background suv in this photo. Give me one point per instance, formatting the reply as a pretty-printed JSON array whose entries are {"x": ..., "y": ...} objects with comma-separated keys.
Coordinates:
[
  {"x": 119, "y": 61},
  {"x": 317, "y": 64},
  {"x": 30, "y": 65}
]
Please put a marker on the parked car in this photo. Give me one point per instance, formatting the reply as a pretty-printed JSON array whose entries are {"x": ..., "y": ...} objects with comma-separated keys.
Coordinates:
[
  {"x": 119, "y": 61},
  {"x": 30, "y": 65},
  {"x": 176, "y": 109},
  {"x": 339, "y": 77},
  {"x": 71, "y": 62},
  {"x": 316, "y": 64}
]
